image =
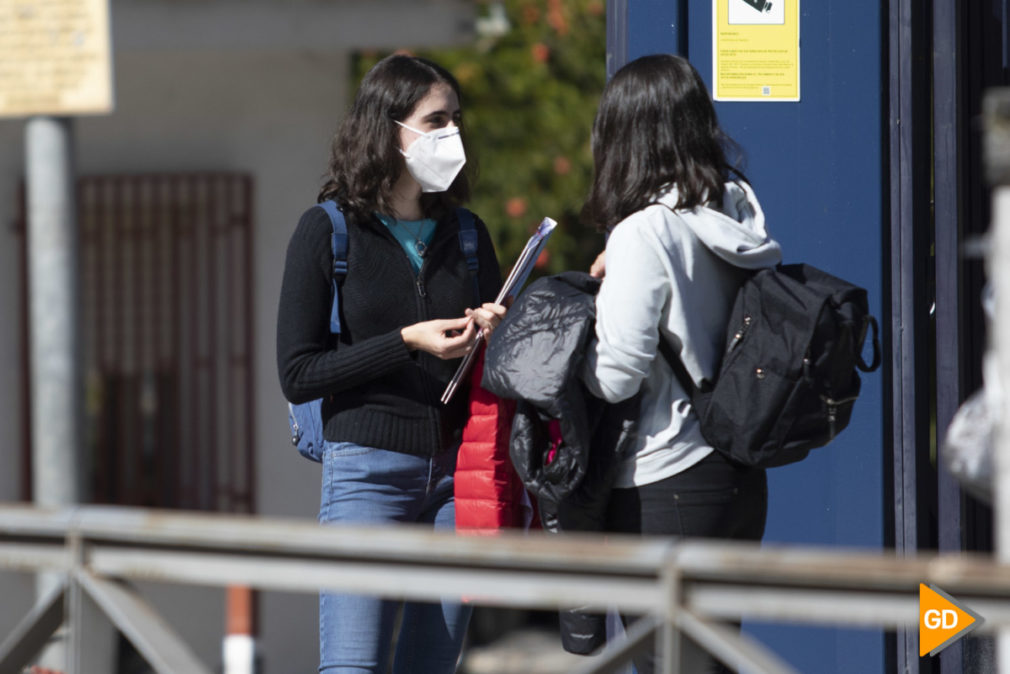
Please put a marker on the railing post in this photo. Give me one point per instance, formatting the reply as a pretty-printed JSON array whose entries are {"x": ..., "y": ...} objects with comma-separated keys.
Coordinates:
[
  {"x": 668, "y": 637},
  {"x": 997, "y": 155},
  {"x": 74, "y": 611}
]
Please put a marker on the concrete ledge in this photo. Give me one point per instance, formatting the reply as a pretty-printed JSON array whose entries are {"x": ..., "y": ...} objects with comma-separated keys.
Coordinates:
[{"x": 299, "y": 24}]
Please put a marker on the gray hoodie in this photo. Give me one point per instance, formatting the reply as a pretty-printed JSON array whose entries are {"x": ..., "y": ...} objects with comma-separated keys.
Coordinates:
[{"x": 673, "y": 273}]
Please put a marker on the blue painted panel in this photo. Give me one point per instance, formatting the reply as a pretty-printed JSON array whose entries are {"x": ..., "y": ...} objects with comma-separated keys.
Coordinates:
[
  {"x": 654, "y": 27},
  {"x": 818, "y": 168}
]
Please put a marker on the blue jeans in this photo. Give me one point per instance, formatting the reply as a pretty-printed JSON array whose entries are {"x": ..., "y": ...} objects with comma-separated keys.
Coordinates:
[{"x": 364, "y": 485}]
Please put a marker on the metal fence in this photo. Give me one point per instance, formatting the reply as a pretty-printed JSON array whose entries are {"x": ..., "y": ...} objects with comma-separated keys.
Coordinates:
[{"x": 689, "y": 588}]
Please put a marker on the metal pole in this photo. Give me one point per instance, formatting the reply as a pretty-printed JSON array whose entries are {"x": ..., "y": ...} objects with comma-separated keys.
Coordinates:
[
  {"x": 53, "y": 283},
  {"x": 1000, "y": 348},
  {"x": 997, "y": 151},
  {"x": 617, "y": 35},
  {"x": 56, "y": 400}
]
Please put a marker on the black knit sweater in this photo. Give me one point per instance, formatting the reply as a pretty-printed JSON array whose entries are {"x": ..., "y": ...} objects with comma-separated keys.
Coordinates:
[{"x": 376, "y": 392}]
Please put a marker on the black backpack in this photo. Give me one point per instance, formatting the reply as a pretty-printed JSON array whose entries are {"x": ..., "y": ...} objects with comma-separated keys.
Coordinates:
[{"x": 788, "y": 378}]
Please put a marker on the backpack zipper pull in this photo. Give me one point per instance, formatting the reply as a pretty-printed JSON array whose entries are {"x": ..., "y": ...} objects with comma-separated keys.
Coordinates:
[
  {"x": 739, "y": 334},
  {"x": 832, "y": 417}
]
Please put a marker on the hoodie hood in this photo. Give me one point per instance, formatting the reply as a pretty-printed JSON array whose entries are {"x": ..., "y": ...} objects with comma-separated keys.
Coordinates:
[{"x": 733, "y": 230}]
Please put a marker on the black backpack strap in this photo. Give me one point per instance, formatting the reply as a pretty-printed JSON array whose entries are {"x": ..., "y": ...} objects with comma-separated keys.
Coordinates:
[
  {"x": 338, "y": 244},
  {"x": 678, "y": 367},
  {"x": 468, "y": 244},
  {"x": 869, "y": 322}
]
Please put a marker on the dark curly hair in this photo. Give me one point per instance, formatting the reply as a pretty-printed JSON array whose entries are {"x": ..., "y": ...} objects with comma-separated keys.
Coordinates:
[
  {"x": 366, "y": 160},
  {"x": 655, "y": 127}
]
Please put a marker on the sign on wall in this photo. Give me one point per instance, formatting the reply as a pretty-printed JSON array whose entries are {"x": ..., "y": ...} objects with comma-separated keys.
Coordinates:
[
  {"x": 55, "y": 57},
  {"x": 756, "y": 50}
]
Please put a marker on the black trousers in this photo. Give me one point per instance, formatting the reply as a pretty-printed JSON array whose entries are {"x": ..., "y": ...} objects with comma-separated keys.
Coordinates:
[{"x": 712, "y": 499}]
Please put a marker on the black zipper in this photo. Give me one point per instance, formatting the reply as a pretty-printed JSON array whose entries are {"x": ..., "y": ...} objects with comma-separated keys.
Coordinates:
[
  {"x": 422, "y": 315},
  {"x": 430, "y": 398}
]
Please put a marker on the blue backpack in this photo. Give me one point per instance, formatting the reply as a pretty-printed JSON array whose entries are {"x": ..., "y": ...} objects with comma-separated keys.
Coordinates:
[{"x": 306, "y": 419}]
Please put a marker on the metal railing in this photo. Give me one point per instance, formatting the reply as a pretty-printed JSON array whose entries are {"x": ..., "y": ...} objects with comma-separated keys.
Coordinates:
[{"x": 689, "y": 588}]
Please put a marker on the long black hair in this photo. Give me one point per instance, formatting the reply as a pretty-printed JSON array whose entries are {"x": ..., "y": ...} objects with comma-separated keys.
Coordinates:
[
  {"x": 366, "y": 161},
  {"x": 655, "y": 127}
]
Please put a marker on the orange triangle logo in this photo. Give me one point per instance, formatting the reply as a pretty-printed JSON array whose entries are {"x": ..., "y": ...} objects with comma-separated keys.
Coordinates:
[{"x": 942, "y": 621}]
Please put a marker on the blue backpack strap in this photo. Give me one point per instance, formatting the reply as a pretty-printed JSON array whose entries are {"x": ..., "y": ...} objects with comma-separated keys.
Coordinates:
[
  {"x": 468, "y": 244},
  {"x": 338, "y": 244}
]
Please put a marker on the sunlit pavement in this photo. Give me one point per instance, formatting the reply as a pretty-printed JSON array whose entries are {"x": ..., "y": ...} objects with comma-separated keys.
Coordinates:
[{"x": 526, "y": 651}]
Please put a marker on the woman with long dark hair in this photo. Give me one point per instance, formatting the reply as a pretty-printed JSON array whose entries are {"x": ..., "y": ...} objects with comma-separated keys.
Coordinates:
[
  {"x": 684, "y": 228},
  {"x": 408, "y": 312}
]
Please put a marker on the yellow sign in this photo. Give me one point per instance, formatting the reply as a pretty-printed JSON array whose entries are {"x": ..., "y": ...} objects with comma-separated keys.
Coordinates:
[
  {"x": 55, "y": 57},
  {"x": 942, "y": 621},
  {"x": 756, "y": 50}
]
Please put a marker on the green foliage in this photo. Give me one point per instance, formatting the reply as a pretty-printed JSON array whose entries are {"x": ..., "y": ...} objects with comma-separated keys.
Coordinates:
[{"x": 529, "y": 98}]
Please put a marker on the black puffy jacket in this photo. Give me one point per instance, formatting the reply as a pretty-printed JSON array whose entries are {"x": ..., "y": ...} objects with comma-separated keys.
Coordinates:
[{"x": 535, "y": 357}]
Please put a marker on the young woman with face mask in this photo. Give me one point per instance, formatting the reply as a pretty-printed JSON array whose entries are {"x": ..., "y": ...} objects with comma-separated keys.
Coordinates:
[
  {"x": 408, "y": 316},
  {"x": 684, "y": 230}
]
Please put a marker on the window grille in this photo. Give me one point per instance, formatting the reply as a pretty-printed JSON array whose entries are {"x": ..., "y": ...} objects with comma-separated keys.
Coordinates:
[{"x": 166, "y": 324}]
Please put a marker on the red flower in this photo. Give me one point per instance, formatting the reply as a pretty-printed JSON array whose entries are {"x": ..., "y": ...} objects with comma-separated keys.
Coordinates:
[
  {"x": 542, "y": 260},
  {"x": 515, "y": 207},
  {"x": 557, "y": 19}
]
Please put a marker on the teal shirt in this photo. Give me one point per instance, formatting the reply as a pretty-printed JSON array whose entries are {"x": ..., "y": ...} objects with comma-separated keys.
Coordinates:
[{"x": 408, "y": 233}]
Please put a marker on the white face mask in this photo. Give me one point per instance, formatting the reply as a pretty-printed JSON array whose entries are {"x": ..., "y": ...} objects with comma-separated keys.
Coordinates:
[{"x": 435, "y": 158}]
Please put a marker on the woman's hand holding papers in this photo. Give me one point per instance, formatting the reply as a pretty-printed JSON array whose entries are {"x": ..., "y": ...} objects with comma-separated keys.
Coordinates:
[{"x": 487, "y": 316}]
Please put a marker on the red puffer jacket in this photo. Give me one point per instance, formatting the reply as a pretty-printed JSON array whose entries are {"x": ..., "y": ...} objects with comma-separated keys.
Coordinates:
[{"x": 489, "y": 493}]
